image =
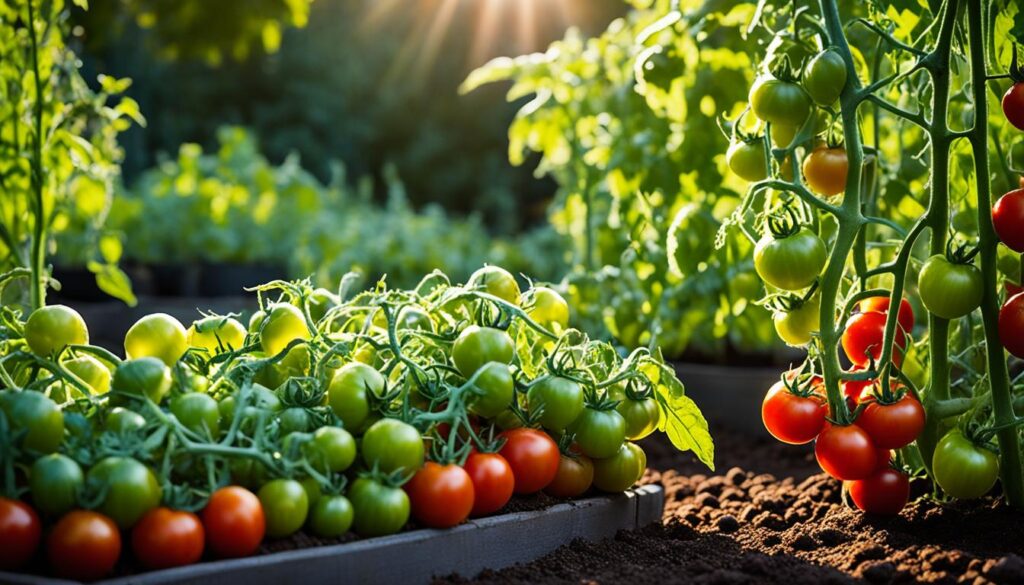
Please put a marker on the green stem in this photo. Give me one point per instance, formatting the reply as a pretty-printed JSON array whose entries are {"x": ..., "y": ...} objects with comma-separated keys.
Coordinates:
[{"x": 38, "y": 289}]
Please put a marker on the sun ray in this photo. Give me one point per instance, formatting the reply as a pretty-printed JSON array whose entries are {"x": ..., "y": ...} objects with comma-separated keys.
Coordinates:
[{"x": 489, "y": 13}]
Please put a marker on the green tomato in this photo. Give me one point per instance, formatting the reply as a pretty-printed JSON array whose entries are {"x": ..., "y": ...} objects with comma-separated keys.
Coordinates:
[
  {"x": 390, "y": 445},
  {"x": 414, "y": 318},
  {"x": 37, "y": 416},
  {"x": 747, "y": 159},
  {"x": 796, "y": 326},
  {"x": 146, "y": 376},
  {"x": 962, "y": 469},
  {"x": 547, "y": 307},
  {"x": 295, "y": 363},
  {"x": 284, "y": 324},
  {"x": 641, "y": 416},
  {"x": 560, "y": 398},
  {"x": 599, "y": 433},
  {"x": 780, "y": 102},
  {"x": 348, "y": 393},
  {"x": 55, "y": 481},
  {"x": 331, "y": 517},
  {"x": 496, "y": 281},
  {"x": 158, "y": 335},
  {"x": 332, "y": 448},
  {"x": 91, "y": 371},
  {"x": 950, "y": 290},
  {"x": 379, "y": 510},
  {"x": 825, "y": 77},
  {"x": 121, "y": 420},
  {"x": 320, "y": 302},
  {"x": 199, "y": 413},
  {"x": 131, "y": 489},
  {"x": 294, "y": 419},
  {"x": 256, "y": 322},
  {"x": 496, "y": 390},
  {"x": 620, "y": 471},
  {"x": 477, "y": 346},
  {"x": 51, "y": 329},
  {"x": 261, "y": 398},
  {"x": 313, "y": 494},
  {"x": 790, "y": 263},
  {"x": 285, "y": 506},
  {"x": 216, "y": 334}
]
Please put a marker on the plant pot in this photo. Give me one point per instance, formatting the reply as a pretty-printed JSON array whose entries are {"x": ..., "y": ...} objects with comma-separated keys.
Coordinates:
[
  {"x": 174, "y": 280},
  {"x": 229, "y": 280},
  {"x": 77, "y": 283},
  {"x": 729, "y": 395}
]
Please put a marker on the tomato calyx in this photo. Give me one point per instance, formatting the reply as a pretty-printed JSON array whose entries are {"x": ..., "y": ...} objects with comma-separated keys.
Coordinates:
[
  {"x": 783, "y": 225},
  {"x": 803, "y": 382},
  {"x": 783, "y": 70},
  {"x": 961, "y": 253},
  {"x": 1016, "y": 71}
]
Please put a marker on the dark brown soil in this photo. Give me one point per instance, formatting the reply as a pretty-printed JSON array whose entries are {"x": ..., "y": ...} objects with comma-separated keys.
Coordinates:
[{"x": 768, "y": 516}]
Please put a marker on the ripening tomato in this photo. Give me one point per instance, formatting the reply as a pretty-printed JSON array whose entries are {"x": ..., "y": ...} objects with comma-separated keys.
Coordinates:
[
  {"x": 863, "y": 339},
  {"x": 846, "y": 452},
  {"x": 533, "y": 457},
  {"x": 147, "y": 376},
  {"x": 599, "y": 433},
  {"x": 493, "y": 390},
  {"x": 885, "y": 492},
  {"x": 217, "y": 334},
  {"x": 893, "y": 426},
  {"x": 441, "y": 495},
  {"x": 950, "y": 289},
  {"x": 547, "y": 307},
  {"x": 91, "y": 371},
  {"x": 331, "y": 516},
  {"x": 83, "y": 545},
  {"x": 825, "y": 170},
  {"x": 1008, "y": 219},
  {"x": 349, "y": 393},
  {"x": 493, "y": 482},
  {"x": 51, "y": 329},
  {"x": 559, "y": 399},
  {"x": 283, "y": 324},
  {"x": 168, "y": 538},
  {"x": 797, "y": 326},
  {"x": 780, "y": 102},
  {"x": 379, "y": 509},
  {"x": 332, "y": 449},
  {"x": 790, "y": 262},
  {"x": 791, "y": 418},
  {"x": 477, "y": 346},
  {"x": 1013, "y": 105},
  {"x": 905, "y": 317},
  {"x": 131, "y": 489},
  {"x": 198, "y": 412},
  {"x": 234, "y": 522},
  {"x": 962, "y": 468},
  {"x": 747, "y": 159},
  {"x": 620, "y": 471},
  {"x": 1011, "y": 325},
  {"x": 390, "y": 444},
  {"x": 158, "y": 335},
  {"x": 55, "y": 481},
  {"x": 285, "y": 506},
  {"x": 496, "y": 281},
  {"x": 33, "y": 417},
  {"x": 20, "y": 531},
  {"x": 825, "y": 77},
  {"x": 575, "y": 476},
  {"x": 642, "y": 417}
]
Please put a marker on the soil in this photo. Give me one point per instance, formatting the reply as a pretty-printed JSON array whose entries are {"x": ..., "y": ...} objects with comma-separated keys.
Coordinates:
[{"x": 769, "y": 516}]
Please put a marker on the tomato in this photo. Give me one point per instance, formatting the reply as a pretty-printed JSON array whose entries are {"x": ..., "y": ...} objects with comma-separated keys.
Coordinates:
[
  {"x": 642, "y": 417},
  {"x": 1011, "y": 325},
  {"x": 495, "y": 281},
  {"x": 477, "y": 346},
  {"x": 198, "y": 412},
  {"x": 825, "y": 77},
  {"x": 441, "y": 495},
  {"x": 846, "y": 452},
  {"x": 390, "y": 445},
  {"x": 620, "y": 471},
  {"x": 780, "y": 102},
  {"x": 283, "y": 324},
  {"x": 963, "y": 469},
  {"x": 234, "y": 522},
  {"x": 885, "y": 492},
  {"x": 51, "y": 329},
  {"x": 1008, "y": 219},
  {"x": 791, "y": 418},
  {"x": 256, "y": 321},
  {"x": 747, "y": 159},
  {"x": 332, "y": 449},
  {"x": 158, "y": 335},
  {"x": 493, "y": 482},
  {"x": 347, "y": 393},
  {"x": 863, "y": 338},
  {"x": 796, "y": 325},
  {"x": 546, "y": 307},
  {"x": 379, "y": 510},
  {"x": 294, "y": 419},
  {"x": 574, "y": 477},
  {"x": 90, "y": 371},
  {"x": 37, "y": 416},
  {"x": 285, "y": 506},
  {"x": 131, "y": 489},
  {"x": 599, "y": 433},
  {"x": 146, "y": 376},
  {"x": 414, "y": 318},
  {"x": 495, "y": 391},
  {"x": 321, "y": 301},
  {"x": 168, "y": 538},
  {"x": 825, "y": 170},
  {"x": 331, "y": 516},
  {"x": 217, "y": 334},
  {"x": 121, "y": 420},
  {"x": 55, "y": 481},
  {"x": 533, "y": 457},
  {"x": 20, "y": 532},
  {"x": 560, "y": 399},
  {"x": 905, "y": 317},
  {"x": 83, "y": 545},
  {"x": 893, "y": 426},
  {"x": 1013, "y": 105},
  {"x": 792, "y": 262},
  {"x": 950, "y": 290}
]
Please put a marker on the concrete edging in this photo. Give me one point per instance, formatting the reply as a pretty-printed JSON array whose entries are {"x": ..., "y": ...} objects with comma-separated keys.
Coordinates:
[{"x": 418, "y": 556}]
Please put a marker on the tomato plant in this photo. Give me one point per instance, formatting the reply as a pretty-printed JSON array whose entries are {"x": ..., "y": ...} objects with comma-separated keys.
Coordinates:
[
  {"x": 825, "y": 77},
  {"x": 885, "y": 493},
  {"x": 331, "y": 516},
  {"x": 789, "y": 258},
  {"x": 54, "y": 482},
  {"x": 390, "y": 445},
  {"x": 477, "y": 346},
  {"x": 37, "y": 416},
  {"x": 792, "y": 414},
  {"x": 846, "y": 452},
  {"x": 825, "y": 170},
  {"x": 599, "y": 432},
  {"x": 962, "y": 468},
  {"x": 1008, "y": 219},
  {"x": 1011, "y": 325},
  {"x": 216, "y": 334},
  {"x": 575, "y": 476},
  {"x": 620, "y": 471},
  {"x": 497, "y": 281},
  {"x": 131, "y": 489},
  {"x": 893, "y": 425},
  {"x": 285, "y": 506},
  {"x": 950, "y": 288},
  {"x": 559, "y": 401},
  {"x": 350, "y": 392},
  {"x": 51, "y": 329},
  {"x": 1013, "y": 105}
]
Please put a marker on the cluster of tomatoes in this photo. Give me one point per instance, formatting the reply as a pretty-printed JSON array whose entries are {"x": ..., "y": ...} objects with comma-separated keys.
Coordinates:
[{"x": 431, "y": 405}]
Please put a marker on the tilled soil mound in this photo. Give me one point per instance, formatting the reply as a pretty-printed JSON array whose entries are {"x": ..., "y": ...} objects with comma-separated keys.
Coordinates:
[{"x": 769, "y": 516}]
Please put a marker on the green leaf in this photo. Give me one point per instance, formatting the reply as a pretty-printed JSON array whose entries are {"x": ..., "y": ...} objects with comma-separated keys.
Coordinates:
[
  {"x": 111, "y": 248},
  {"x": 683, "y": 422},
  {"x": 83, "y": 4},
  {"x": 129, "y": 107},
  {"x": 113, "y": 281},
  {"x": 499, "y": 69}
]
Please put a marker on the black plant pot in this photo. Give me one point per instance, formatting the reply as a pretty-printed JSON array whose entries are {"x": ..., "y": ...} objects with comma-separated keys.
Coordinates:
[
  {"x": 77, "y": 283},
  {"x": 174, "y": 280},
  {"x": 226, "y": 280},
  {"x": 730, "y": 395}
]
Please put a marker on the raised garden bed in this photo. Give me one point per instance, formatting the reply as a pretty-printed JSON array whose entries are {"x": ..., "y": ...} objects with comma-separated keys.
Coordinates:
[{"x": 417, "y": 556}]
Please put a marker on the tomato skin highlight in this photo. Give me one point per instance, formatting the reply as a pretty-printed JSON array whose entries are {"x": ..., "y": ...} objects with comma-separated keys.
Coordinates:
[
  {"x": 575, "y": 476},
  {"x": 493, "y": 482},
  {"x": 20, "y": 532},
  {"x": 495, "y": 281},
  {"x": 962, "y": 469},
  {"x": 642, "y": 417},
  {"x": 533, "y": 457},
  {"x": 1013, "y": 105},
  {"x": 1011, "y": 325},
  {"x": 846, "y": 452},
  {"x": 1008, "y": 219},
  {"x": 893, "y": 426},
  {"x": 234, "y": 522},
  {"x": 825, "y": 170},
  {"x": 790, "y": 418},
  {"x": 168, "y": 538},
  {"x": 441, "y": 495},
  {"x": 885, "y": 493},
  {"x": 83, "y": 545}
]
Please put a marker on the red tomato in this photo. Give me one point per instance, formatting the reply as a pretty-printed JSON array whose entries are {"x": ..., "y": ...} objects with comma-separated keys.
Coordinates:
[
  {"x": 1008, "y": 218},
  {"x": 791, "y": 418},
  {"x": 884, "y": 460},
  {"x": 574, "y": 477},
  {"x": 846, "y": 452},
  {"x": 84, "y": 545},
  {"x": 234, "y": 522},
  {"x": 441, "y": 495},
  {"x": 493, "y": 482},
  {"x": 893, "y": 426},
  {"x": 1013, "y": 105},
  {"x": 168, "y": 538},
  {"x": 854, "y": 389},
  {"x": 1011, "y": 325},
  {"x": 884, "y": 493},
  {"x": 864, "y": 335},
  {"x": 533, "y": 456},
  {"x": 881, "y": 305},
  {"x": 20, "y": 532}
]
